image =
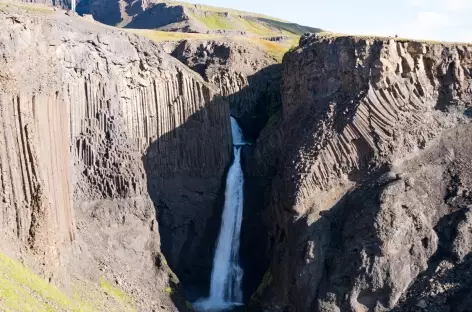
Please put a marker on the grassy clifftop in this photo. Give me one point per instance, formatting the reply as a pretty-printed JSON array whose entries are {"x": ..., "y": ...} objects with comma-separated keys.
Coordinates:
[
  {"x": 215, "y": 18},
  {"x": 274, "y": 48},
  {"x": 174, "y": 21}
]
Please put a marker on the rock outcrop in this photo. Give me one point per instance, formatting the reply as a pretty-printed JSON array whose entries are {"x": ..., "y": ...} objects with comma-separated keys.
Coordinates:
[
  {"x": 246, "y": 75},
  {"x": 364, "y": 157},
  {"x": 95, "y": 134}
]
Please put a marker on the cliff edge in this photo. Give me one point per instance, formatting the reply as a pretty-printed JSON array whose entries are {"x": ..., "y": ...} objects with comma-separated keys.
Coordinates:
[
  {"x": 369, "y": 188},
  {"x": 100, "y": 135}
]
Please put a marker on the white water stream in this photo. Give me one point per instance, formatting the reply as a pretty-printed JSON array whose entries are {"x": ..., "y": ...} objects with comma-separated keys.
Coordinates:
[{"x": 226, "y": 276}]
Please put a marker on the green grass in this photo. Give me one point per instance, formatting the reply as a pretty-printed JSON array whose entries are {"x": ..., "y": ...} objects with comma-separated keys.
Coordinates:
[
  {"x": 259, "y": 24},
  {"x": 275, "y": 49},
  {"x": 157, "y": 35},
  {"x": 119, "y": 295},
  {"x": 222, "y": 10},
  {"x": 213, "y": 21},
  {"x": 254, "y": 27},
  {"x": 21, "y": 290}
]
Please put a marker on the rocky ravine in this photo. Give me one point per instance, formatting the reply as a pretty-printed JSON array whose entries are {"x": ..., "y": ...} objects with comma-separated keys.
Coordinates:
[
  {"x": 362, "y": 175},
  {"x": 370, "y": 165},
  {"x": 95, "y": 134},
  {"x": 188, "y": 197},
  {"x": 248, "y": 78}
]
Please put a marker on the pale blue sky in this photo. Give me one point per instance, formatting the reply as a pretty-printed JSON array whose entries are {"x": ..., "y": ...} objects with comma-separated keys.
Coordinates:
[{"x": 449, "y": 20}]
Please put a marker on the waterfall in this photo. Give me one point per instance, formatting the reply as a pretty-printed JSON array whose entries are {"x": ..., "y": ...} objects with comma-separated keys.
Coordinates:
[{"x": 226, "y": 276}]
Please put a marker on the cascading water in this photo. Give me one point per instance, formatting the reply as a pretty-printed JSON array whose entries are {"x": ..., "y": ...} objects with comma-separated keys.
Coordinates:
[{"x": 226, "y": 276}]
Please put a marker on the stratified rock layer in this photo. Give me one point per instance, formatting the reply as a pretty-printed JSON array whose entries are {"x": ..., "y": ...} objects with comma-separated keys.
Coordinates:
[{"x": 361, "y": 158}]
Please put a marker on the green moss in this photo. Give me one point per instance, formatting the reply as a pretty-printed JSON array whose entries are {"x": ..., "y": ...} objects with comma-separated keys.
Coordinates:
[
  {"x": 169, "y": 290},
  {"x": 266, "y": 282},
  {"x": 188, "y": 305},
  {"x": 21, "y": 290},
  {"x": 117, "y": 294}
]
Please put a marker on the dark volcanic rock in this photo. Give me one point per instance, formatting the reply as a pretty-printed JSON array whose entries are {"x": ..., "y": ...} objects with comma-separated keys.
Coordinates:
[
  {"x": 157, "y": 16},
  {"x": 360, "y": 168},
  {"x": 371, "y": 134},
  {"x": 96, "y": 135},
  {"x": 246, "y": 75}
]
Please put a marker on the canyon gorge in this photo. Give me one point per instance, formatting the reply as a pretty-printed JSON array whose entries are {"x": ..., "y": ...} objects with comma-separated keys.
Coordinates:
[{"x": 351, "y": 188}]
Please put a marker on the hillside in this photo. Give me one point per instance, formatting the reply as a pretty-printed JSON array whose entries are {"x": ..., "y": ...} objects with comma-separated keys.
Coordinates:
[
  {"x": 176, "y": 21},
  {"x": 185, "y": 17}
]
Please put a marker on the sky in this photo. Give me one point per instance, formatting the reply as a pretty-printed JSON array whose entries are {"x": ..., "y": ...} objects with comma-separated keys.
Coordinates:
[{"x": 448, "y": 20}]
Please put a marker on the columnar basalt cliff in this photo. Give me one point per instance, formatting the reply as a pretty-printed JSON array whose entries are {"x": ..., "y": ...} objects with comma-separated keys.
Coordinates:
[
  {"x": 92, "y": 132},
  {"x": 364, "y": 159},
  {"x": 113, "y": 158}
]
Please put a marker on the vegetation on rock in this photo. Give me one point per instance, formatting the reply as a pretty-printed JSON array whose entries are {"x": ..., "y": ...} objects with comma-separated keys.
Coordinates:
[{"x": 22, "y": 290}]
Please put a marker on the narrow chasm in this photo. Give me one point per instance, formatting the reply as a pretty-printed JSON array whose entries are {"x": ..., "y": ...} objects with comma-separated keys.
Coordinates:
[
  {"x": 190, "y": 202},
  {"x": 190, "y": 199}
]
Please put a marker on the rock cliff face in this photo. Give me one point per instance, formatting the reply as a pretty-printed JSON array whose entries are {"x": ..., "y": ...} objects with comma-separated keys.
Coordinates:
[
  {"x": 245, "y": 74},
  {"x": 95, "y": 132},
  {"x": 113, "y": 158},
  {"x": 367, "y": 159},
  {"x": 249, "y": 79}
]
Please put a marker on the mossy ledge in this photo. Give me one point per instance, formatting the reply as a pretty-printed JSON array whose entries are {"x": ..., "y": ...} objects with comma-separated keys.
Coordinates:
[{"x": 23, "y": 290}]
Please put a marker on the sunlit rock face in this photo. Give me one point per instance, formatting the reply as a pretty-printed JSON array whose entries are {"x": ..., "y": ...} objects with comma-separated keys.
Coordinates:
[
  {"x": 98, "y": 134},
  {"x": 362, "y": 157}
]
